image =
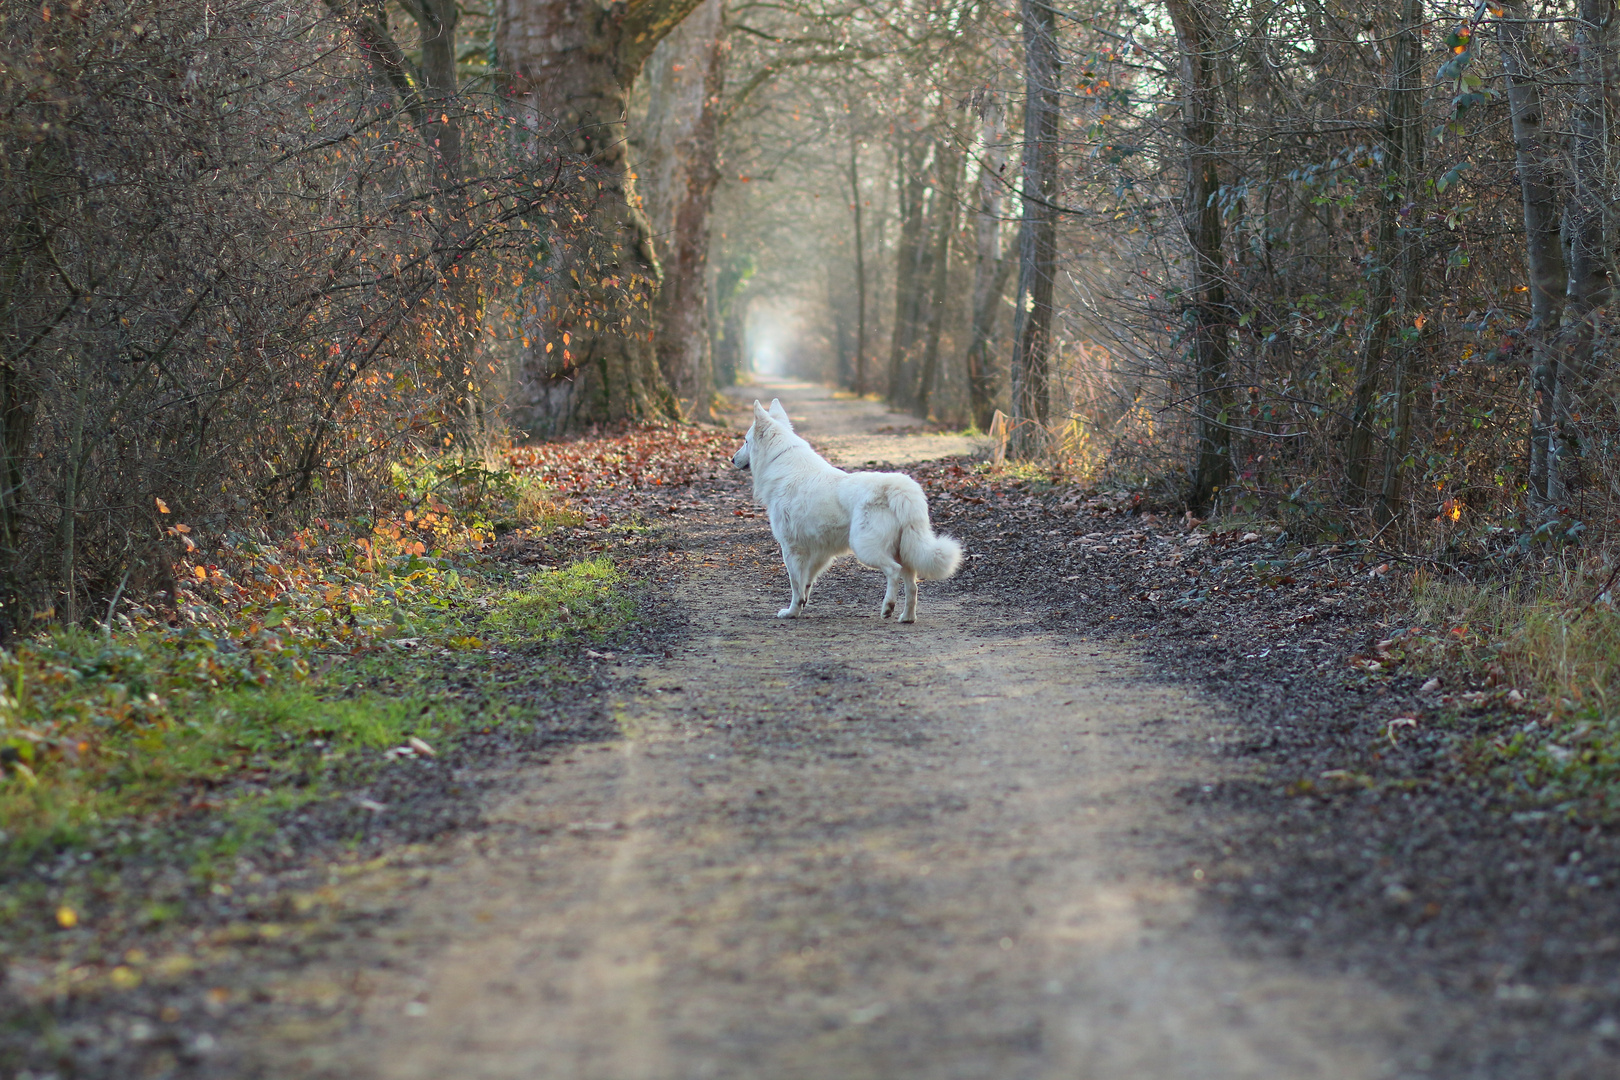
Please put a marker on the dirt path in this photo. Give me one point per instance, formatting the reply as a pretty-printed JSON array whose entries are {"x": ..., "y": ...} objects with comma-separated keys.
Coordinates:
[
  {"x": 852, "y": 432},
  {"x": 838, "y": 848}
]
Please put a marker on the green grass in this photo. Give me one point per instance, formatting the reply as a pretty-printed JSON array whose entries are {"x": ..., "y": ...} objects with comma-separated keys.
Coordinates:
[
  {"x": 1556, "y": 641},
  {"x": 1570, "y": 764},
  {"x": 292, "y": 668},
  {"x": 170, "y": 745},
  {"x": 585, "y": 600}
]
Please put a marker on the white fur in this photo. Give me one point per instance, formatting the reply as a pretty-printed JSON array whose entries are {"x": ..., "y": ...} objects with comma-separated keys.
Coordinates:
[{"x": 819, "y": 512}]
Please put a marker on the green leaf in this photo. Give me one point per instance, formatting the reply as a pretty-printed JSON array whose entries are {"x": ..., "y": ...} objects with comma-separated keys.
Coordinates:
[
  {"x": 1453, "y": 175},
  {"x": 1453, "y": 68}
]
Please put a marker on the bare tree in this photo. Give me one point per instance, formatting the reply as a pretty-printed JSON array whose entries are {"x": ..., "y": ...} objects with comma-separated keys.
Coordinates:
[
  {"x": 1406, "y": 122},
  {"x": 1206, "y": 311},
  {"x": 991, "y": 266},
  {"x": 231, "y": 296},
  {"x": 1538, "y": 168},
  {"x": 1397, "y": 257},
  {"x": 913, "y": 155},
  {"x": 1587, "y": 233},
  {"x": 949, "y": 168},
  {"x": 861, "y": 384},
  {"x": 1037, "y": 236}
]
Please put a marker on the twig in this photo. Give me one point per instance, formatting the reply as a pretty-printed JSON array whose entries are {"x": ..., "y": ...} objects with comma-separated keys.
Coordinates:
[
  {"x": 1590, "y": 604},
  {"x": 112, "y": 605}
]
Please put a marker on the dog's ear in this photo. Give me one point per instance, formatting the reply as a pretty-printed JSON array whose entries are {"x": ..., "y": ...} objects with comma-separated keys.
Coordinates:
[
  {"x": 760, "y": 415},
  {"x": 779, "y": 414}
]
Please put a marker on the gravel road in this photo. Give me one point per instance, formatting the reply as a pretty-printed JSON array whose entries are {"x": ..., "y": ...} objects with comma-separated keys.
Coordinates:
[{"x": 835, "y": 848}]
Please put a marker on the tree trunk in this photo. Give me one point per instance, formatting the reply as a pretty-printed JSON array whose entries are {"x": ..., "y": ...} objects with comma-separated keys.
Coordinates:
[
  {"x": 1536, "y": 154},
  {"x": 861, "y": 385},
  {"x": 67, "y": 538},
  {"x": 441, "y": 127},
  {"x": 1403, "y": 150},
  {"x": 1037, "y": 234},
  {"x": 590, "y": 355},
  {"x": 686, "y": 75},
  {"x": 429, "y": 93},
  {"x": 845, "y": 369},
  {"x": 949, "y": 166},
  {"x": 1201, "y": 217},
  {"x": 730, "y": 308},
  {"x": 1369, "y": 366},
  {"x": 1589, "y": 288},
  {"x": 911, "y": 189},
  {"x": 990, "y": 265},
  {"x": 1406, "y": 105}
]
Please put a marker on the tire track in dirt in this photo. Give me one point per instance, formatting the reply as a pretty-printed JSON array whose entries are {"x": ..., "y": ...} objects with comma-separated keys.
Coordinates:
[{"x": 836, "y": 848}]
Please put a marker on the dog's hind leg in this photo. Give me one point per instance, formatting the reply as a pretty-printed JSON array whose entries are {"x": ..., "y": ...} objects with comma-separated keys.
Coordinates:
[
  {"x": 870, "y": 548},
  {"x": 891, "y": 593},
  {"x": 910, "y": 578},
  {"x": 892, "y": 575}
]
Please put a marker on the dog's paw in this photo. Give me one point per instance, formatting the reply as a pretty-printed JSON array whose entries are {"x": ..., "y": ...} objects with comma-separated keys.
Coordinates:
[
  {"x": 888, "y": 609},
  {"x": 786, "y": 613},
  {"x": 908, "y": 618}
]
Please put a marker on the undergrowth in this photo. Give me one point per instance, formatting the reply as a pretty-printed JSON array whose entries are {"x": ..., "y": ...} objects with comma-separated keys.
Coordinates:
[
  {"x": 239, "y": 695},
  {"x": 584, "y": 600},
  {"x": 203, "y": 756},
  {"x": 1551, "y": 644}
]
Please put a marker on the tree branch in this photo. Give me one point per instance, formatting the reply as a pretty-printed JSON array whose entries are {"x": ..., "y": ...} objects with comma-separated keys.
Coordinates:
[
  {"x": 776, "y": 67},
  {"x": 385, "y": 55}
]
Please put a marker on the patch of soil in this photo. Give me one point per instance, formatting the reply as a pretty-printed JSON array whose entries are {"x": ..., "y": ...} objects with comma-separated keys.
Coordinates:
[{"x": 1355, "y": 842}]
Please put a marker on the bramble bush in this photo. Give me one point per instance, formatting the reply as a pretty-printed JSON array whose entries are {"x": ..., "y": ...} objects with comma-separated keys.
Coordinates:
[{"x": 243, "y": 277}]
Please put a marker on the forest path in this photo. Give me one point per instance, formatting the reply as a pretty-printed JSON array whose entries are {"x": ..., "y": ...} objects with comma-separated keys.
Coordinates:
[
  {"x": 838, "y": 848},
  {"x": 852, "y": 432}
]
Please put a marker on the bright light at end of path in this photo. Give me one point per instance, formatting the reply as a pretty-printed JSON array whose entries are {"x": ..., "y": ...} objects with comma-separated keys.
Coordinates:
[{"x": 767, "y": 358}]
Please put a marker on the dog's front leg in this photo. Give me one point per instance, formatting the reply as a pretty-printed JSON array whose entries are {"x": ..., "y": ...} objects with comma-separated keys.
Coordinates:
[{"x": 796, "y": 602}]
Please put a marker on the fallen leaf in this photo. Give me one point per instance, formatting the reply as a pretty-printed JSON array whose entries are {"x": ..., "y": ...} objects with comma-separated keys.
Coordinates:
[{"x": 1399, "y": 721}]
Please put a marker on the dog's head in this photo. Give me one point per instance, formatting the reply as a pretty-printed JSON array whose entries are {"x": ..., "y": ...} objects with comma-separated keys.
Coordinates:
[{"x": 765, "y": 421}]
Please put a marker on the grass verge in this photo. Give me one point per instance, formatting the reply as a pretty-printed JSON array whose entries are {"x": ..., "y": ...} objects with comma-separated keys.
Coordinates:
[
  {"x": 282, "y": 671},
  {"x": 216, "y": 770},
  {"x": 1550, "y": 647}
]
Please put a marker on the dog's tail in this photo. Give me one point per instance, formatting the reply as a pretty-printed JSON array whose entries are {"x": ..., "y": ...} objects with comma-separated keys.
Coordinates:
[{"x": 935, "y": 558}]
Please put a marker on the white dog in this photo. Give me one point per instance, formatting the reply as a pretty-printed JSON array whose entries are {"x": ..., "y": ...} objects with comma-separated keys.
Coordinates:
[{"x": 819, "y": 512}]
